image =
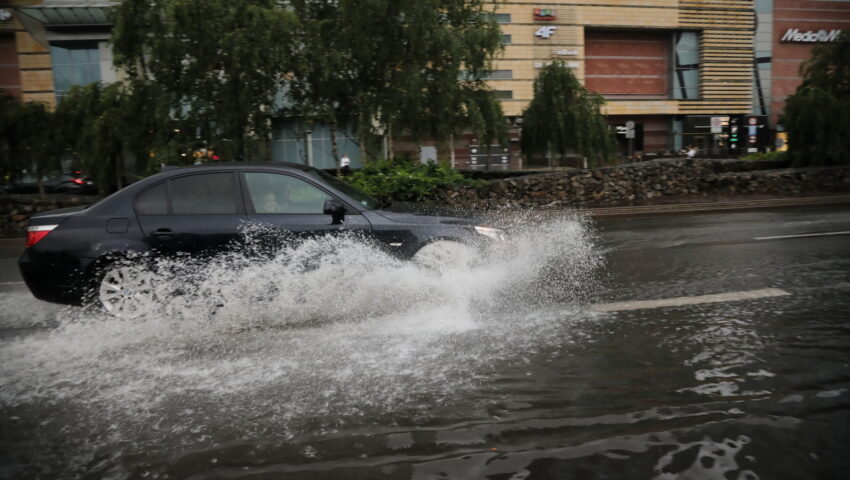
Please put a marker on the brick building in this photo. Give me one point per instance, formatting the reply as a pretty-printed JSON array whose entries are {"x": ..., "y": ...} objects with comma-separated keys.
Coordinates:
[
  {"x": 664, "y": 66},
  {"x": 56, "y": 44},
  {"x": 787, "y": 32},
  {"x": 669, "y": 67}
]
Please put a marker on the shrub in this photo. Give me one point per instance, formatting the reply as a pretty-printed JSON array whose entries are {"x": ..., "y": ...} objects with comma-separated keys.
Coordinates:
[{"x": 404, "y": 180}]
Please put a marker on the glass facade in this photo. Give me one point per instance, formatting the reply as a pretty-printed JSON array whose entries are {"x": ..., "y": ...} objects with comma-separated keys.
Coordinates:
[
  {"x": 686, "y": 65},
  {"x": 291, "y": 143},
  {"x": 74, "y": 63}
]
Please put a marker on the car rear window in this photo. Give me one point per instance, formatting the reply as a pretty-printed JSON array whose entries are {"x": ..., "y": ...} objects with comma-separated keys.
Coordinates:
[
  {"x": 153, "y": 201},
  {"x": 203, "y": 194}
]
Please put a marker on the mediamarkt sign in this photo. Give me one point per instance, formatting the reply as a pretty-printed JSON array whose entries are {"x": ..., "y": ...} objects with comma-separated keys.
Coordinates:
[{"x": 793, "y": 35}]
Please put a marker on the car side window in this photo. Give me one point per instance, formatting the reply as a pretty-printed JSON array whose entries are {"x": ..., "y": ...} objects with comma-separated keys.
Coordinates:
[
  {"x": 284, "y": 194},
  {"x": 203, "y": 194},
  {"x": 153, "y": 201}
]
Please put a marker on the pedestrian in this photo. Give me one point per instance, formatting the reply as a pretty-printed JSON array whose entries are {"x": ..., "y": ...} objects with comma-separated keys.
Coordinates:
[
  {"x": 692, "y": 151},
  {"x": 345, "y": 165}
]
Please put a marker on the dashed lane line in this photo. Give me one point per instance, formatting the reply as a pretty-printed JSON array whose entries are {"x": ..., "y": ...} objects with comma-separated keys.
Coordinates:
[
  {"x": 802, "y": 235},
  {"x": 682, "y": 301}
]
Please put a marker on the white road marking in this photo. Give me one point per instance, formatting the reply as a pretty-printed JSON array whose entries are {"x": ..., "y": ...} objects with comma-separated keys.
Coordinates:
[
  {"x": 803, "y": 235},
  {"x": 681, "y": 301},
  {"x": 11, "y": 283}
]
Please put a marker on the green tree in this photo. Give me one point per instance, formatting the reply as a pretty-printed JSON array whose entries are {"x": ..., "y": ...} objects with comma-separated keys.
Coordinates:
[
  {"x": 386, "y": 66},
  {"x": 564, "y": 117},
  {"x": 29, "y": 140},
  {"x": 104, "y": 126},
  {"x": 817, "y": 116},
  {"x": 217, "y": 66}
]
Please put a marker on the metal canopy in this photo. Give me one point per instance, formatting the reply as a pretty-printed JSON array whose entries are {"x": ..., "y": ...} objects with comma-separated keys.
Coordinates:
[{"x": 70, "y": 15}]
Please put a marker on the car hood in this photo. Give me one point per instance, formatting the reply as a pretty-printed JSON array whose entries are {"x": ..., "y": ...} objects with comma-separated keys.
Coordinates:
[{"x": 424, "y": 214}]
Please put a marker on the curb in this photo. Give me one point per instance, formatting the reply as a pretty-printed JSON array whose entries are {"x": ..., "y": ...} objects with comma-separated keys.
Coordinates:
[{"x": 708, "y": 207}]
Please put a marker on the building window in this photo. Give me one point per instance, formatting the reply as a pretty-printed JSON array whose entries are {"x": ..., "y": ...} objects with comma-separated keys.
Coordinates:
[
  {"x": 504, "y": 94},
  {"x": 506, "y": 39},
  {"x": 500, "y": 75},
  {"x": 501, "y": 17},
  {"x": 492, "y": 75},
  {"x": 686, "y": 68},
  {"x": 74, "y": 63}
]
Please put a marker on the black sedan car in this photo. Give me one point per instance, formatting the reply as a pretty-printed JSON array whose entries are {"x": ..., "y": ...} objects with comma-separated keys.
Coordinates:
[{"x": 202, "y": 210}]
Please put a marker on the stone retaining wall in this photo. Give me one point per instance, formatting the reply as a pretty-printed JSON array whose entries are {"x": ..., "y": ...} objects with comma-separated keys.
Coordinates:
[{"x": 639, "y": 183}]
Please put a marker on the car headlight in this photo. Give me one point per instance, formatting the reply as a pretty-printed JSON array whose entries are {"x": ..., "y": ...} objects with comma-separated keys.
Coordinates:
[{"x": 494, "y": 233}]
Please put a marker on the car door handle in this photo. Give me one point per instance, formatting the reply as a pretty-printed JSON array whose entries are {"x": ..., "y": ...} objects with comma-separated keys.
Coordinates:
[{"x": 163, "y": 233}]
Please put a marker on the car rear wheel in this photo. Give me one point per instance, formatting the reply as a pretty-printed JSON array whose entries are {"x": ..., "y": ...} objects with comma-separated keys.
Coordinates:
[
  {"x": 125, "y": 291},
  {"x": 445, "y": 254}
]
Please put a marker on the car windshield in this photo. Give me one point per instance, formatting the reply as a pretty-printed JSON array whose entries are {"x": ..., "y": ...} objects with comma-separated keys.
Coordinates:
[{"x": 345, "y": 188}]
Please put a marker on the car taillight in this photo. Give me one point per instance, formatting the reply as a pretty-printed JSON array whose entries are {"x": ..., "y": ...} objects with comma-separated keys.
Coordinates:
[
  {"x": 37, "y": 232},
  {"x": 78, "y": 181}
]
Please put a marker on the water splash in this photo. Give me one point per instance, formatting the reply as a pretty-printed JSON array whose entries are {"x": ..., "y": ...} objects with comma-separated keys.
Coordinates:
[{"x": 329, "y": 329}]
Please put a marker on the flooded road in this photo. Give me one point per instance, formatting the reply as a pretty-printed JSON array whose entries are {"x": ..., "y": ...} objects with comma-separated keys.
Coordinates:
[{"x": 359, "y": 366}]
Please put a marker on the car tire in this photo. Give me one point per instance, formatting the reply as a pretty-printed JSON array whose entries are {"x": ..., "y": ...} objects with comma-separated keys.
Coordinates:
[
  {"x": 445, "y": 254},
  {"x": 124, "y": 291}
]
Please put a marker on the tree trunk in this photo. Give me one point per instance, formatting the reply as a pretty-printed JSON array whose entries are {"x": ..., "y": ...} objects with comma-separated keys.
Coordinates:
[
  {"x": 390, "y": 150},
  {"x": 306, "y": 146},
  {"x": 118, "y": 161},
  {"x": 334, "y": 150},
  {"x": 452, "y": 150}
]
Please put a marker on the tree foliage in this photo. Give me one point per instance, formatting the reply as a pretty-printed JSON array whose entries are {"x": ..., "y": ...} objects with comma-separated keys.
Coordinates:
[
  {"x": 212, "y": 73},
  {"x": 28, "y": 139},
  {"x": 217, "y": 66},
  {"x": 817, "y": 116},
  {"x": 398, "y": 65},
  {"x": 564, "y": 117},
  {"x": 102, "y": 125}
]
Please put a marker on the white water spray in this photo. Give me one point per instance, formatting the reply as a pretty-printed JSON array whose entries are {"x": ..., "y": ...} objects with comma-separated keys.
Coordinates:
[{"x": 330, "y": 329}]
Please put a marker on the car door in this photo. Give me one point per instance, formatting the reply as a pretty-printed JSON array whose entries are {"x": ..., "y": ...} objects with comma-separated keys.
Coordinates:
[
  {"x": 294, "y": 207},
  {"x": 198, "y": 213}
]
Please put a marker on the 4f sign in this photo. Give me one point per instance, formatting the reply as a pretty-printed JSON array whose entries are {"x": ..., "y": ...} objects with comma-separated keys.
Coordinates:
[{"x": 545, "y": 32}]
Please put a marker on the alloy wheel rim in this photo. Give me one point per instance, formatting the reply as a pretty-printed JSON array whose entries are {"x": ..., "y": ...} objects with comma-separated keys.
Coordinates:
[{"x": 123, "y": 292}]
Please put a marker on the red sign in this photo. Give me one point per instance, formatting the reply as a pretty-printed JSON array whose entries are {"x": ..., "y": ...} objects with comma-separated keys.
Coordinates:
[{"x": 544, "y": 14}]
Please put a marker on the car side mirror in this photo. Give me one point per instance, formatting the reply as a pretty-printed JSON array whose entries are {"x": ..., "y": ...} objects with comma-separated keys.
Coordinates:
[{"x": 335, "y": 209}]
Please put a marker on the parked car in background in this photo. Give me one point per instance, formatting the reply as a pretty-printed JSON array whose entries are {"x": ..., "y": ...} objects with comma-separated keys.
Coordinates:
[
  {"x": 75, "y": 253},
  {"x": 71, "y": 182}
]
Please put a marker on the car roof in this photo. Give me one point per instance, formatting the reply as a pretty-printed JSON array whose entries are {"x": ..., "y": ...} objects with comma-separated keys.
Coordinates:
[
  {"x": 174, "y": 171},
  {"x": 212, "y": 166}
]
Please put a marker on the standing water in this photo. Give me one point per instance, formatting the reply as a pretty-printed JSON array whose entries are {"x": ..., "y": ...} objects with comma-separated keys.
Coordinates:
[
  {"x": 334, "y": 360},
  {"x": 239, "y": 353}
]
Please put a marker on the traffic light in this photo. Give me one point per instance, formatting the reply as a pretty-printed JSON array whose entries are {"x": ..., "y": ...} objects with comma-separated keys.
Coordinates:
[{"x": 734, "y": 125}]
